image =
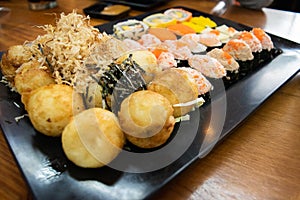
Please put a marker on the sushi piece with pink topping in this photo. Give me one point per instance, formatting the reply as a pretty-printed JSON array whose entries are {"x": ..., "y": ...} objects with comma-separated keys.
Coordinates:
[
  {"x": 148, "y": 40},
  {"x": 203, "y": 84},
  {"x": 166, "y": 60},
  {"x": 238, "y": 49},
  {"x": 225, "y": 59},
  {"x": 264, "y": 38},
  {"x": 178, "y": 48},
  {"x": 250, "y": 39},
  {"x": 208, "y": 66},
  {"x": 209, "y": 40},
  {"x": 133, "y": 44},
  {"x": 192, "y": 42}
]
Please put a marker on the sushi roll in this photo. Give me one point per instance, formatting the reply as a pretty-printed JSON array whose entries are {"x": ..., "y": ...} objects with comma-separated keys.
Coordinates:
[
  {"x": 210, "y": 40},
  {"x": 166, "y": 60},
  {"x": 253, "y": 43},
  {"x": 225, "y": 59},
  {"x": 149, "y": 41},
  {"x": 264, "y": 38},
  {"x": 208, "y": 66},
  {"x": 179, "y": 14},
  {"x": 132, "y": 29},
  {"x": 159, "y": 20},
  {"x": 192, "y": 41},
  {"x": 239, "y": 50},
  {"x": 250, "y": 39},
  {"x": 242, "y": 53},
  {"x": 133, "y": 45},
  {"x": 179, "y": 49},
  {"x": 268, "y": 49},
  {"x": 230, "y": 64},
  {"x": 204, "y": 86}
]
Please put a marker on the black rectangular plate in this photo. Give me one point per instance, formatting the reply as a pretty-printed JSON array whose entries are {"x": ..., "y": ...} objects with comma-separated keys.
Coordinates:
[{"x": 51, "y": 176}]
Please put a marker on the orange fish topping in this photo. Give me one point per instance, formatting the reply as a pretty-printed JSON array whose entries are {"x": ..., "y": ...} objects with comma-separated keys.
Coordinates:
[{"x": 259, "y": 33}]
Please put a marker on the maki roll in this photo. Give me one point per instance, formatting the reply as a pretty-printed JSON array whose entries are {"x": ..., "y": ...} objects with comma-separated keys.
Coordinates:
[
  {"x": 239, "y": 50},
  {"x": 225, "y": 59},
  {"x": 192, "y": 42},
  {"x": 242, "y": 53},
  {"x": 159, "y": 20},
  {"x": 179, "y": 14},
  {"x": 268, "y": 49},
  {"x": 264, "y": 38},
  {"x": 230, "y": 64},
  {"x": 204, "y": 86},
  {"x": 132, "y": 29},
  {"x": 179, "y": 49},
  {"x": 253, "y": 43},
  {"x": 208, "y": 66},
  {"x": 166, "y": 60},
  {"x": 149, "y": 41}
]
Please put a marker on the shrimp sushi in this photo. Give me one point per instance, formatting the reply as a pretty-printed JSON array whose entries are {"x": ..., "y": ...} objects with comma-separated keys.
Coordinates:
[
  {"x": 225, "y": 59},
  {"x": 192, "y": 41},
  {"x": 166, "y": 60},
  {"x": 268, "y": 49},
  {"x": 178, "y": 48},
  {"x": 204, "y": 86},
  {"x": 208, "y": 66},
  {"x": 250, "y": 39},
  {"x": 242, "y": 53},
  {"x": 230, "y": 64},
  {"x": 209, "y": 40},
  {"x": 264, "y": 38},
  {"x": 238, "y": 49}
]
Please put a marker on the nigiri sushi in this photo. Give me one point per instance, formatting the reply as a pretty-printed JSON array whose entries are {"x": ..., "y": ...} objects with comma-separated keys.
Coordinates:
[
  {"x": 238, "y": 49},
  {"x": 225, "y": 59},
  {"x": 207, "y": 65},
  {"x": 264, "y": 38},
  {"x": 250, "y": 39},
  {"x": 203, "y": 84}
]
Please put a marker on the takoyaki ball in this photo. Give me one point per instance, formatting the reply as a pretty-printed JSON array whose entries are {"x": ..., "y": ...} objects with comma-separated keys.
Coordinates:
[
  {"x": 7, "y": 69},
  {"x": 51, "y": 107},
  {"x": 14, "y": 57},
  {"x": 146, "y": 118},
  {"x": 178, "y": 87},
  {"x": 93, "y": 138},
  {"x": 31, "y": 76},
  {"x": 18, "y": 54},
  {"x": 146, "y": 60}
]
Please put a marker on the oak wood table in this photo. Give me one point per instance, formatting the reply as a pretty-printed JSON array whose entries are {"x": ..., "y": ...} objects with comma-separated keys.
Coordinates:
[{"x": 260, "y": 160}]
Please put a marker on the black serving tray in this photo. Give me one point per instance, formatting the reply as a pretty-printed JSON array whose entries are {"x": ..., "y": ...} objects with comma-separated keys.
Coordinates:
[{"x": 51, "y": 176}]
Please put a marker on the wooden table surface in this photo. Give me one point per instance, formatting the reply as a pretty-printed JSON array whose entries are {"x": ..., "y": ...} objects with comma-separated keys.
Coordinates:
[{"x": 260, "y": 160}]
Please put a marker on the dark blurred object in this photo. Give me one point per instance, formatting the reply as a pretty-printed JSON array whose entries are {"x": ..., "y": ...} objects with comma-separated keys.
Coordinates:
[
  {"x": 221, "y": 7},
  {"x": 288, "y": 5},
  {"x": 41, "y": 4},
  {"x": 107, "y": 11},
  {"x": 139, "y": 4}
]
